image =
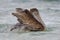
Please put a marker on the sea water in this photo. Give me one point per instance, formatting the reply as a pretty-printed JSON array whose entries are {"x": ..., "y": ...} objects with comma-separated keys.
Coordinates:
[{"x": 49, "y": 11}]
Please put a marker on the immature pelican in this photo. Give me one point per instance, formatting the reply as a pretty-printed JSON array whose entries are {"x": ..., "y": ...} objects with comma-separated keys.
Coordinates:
[{"x": 27, "y": 18}]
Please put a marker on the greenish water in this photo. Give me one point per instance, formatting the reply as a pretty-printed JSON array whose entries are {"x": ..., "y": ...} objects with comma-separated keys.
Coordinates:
[{"x": 49, "y": 11}]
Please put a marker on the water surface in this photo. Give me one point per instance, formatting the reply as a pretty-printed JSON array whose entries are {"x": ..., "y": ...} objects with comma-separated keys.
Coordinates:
[{"x": 49, "y": 11}]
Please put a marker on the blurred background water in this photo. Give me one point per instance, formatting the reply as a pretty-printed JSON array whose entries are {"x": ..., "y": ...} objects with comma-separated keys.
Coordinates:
[{"x": 49, "y": 11}]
